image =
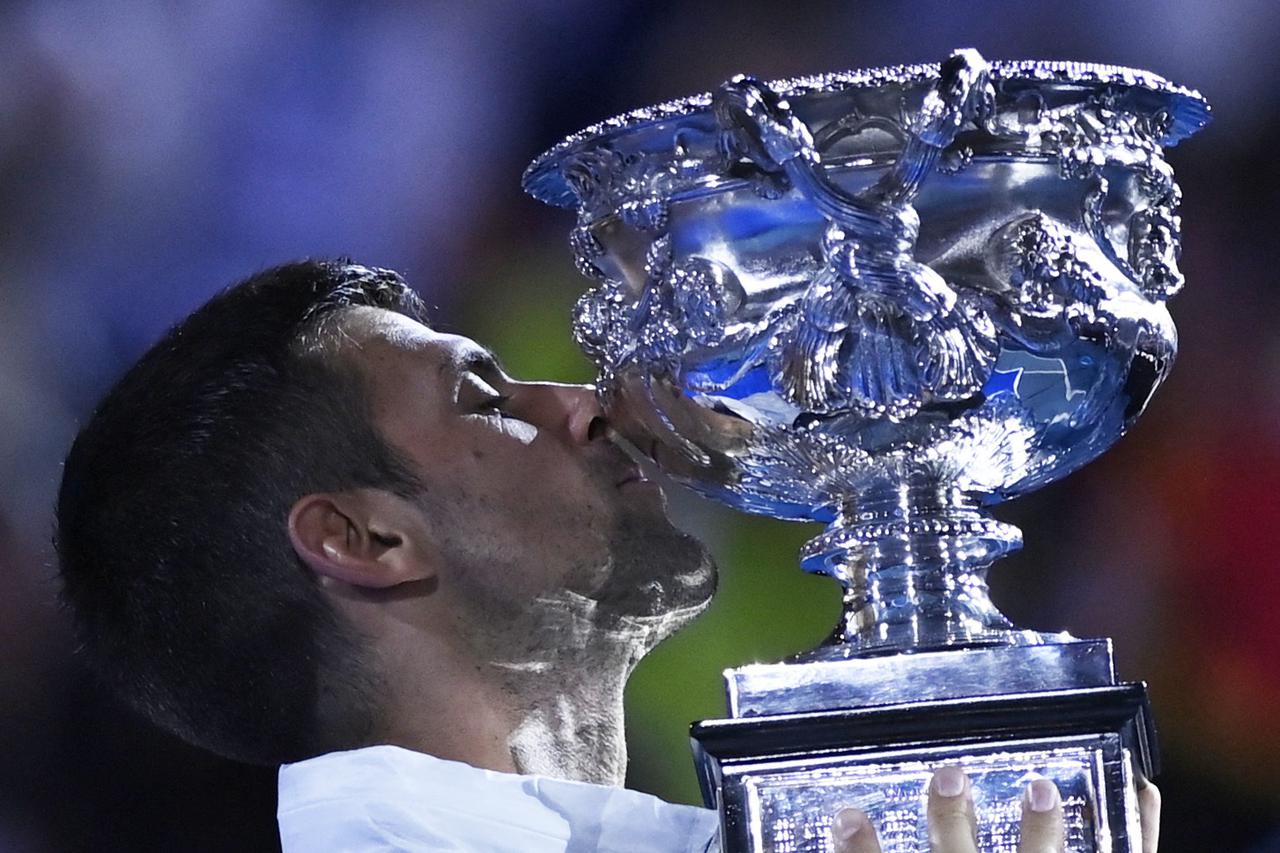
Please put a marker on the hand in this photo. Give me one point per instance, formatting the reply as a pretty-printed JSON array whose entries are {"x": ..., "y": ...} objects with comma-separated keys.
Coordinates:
[{"x": 953, "y": 827}]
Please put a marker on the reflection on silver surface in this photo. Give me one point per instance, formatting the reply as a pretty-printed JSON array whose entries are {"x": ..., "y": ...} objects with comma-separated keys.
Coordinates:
[
  {"x": 885, "y": 300},
  {"x": 888, "y": 300},
  {"x": 796, "y": 809},
  {"x": 824, "y": 680}
]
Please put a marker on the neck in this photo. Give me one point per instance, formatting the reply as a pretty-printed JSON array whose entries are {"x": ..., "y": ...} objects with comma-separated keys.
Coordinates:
[
  {"x": 568, "y": 681},
  {"x": 545, "y": 696}
]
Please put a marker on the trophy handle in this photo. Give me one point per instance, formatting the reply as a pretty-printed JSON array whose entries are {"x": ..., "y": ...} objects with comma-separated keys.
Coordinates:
[
  {"x": 759, "y": 125},
  {"x": 876, "y": 331}
]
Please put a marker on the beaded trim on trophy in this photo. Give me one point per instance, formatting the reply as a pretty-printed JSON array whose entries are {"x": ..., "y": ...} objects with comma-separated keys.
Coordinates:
[{"x": 1187, "y": 107}]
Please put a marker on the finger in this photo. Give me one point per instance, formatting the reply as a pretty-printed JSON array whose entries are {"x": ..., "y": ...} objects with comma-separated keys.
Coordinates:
[
  {"x": 952, "y": 826},
  {"x": 1042, "y": 824},
  {"x": 1149, "y": 814},
  {"x": 852, "y": 832}
]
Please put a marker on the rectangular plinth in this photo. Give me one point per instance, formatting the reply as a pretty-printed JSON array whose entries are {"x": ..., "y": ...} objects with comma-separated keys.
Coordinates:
[
  {"x": 779, "y": 780},
  {"x": 824, "y": 681}
]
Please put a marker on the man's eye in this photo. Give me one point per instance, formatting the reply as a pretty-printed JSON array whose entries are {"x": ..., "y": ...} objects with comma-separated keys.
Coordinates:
[{"x": 496, "y": 405}]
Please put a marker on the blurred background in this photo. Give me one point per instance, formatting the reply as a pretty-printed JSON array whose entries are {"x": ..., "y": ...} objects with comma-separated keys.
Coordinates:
[{"x": 152, "y": 153}]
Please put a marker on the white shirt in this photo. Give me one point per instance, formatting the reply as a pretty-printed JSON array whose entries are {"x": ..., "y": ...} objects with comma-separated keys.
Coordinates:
[{"x": 385, "y": 798}]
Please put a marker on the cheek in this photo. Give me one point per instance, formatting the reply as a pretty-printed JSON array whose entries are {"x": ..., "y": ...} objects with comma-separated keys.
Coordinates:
[
  {"x": 510, "y": 491},
  {"x": 557, "y": 501},
  {"x": 523, "y": 432},
  {"x": 558, "y": 515},
  {"x": 533, "y": 530}
]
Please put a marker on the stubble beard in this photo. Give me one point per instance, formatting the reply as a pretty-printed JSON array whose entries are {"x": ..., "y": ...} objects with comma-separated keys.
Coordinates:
[
  {"x": 660, "y": 578},
  {"x": 646, "y": 580}
]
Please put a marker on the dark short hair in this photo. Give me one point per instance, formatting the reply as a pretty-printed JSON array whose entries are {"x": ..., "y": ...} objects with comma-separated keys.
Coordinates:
[{"x": 172, "y": 538}]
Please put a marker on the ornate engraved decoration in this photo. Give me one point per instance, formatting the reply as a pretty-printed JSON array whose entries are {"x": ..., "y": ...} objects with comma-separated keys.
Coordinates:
[{"x": 883, "y": 299}]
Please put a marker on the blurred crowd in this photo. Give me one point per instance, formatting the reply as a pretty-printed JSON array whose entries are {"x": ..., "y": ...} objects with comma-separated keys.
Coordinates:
[{"x": 152, "y": 153}]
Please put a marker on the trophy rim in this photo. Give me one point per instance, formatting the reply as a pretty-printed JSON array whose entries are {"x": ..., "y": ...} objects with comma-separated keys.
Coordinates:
[{"x": 1188, "y": 109}]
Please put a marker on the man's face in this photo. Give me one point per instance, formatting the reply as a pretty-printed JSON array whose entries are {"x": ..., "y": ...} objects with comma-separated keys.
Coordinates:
[{"x": 525, "y": 496}]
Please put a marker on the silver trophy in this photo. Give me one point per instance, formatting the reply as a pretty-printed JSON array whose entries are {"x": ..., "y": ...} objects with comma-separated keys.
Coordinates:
[{"x": 888, "y": 300}]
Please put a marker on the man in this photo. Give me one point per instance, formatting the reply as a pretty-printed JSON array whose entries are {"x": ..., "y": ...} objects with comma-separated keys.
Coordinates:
[{"x": 306, "y": 529}]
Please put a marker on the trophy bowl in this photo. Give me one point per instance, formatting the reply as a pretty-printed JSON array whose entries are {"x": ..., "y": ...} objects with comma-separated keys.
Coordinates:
[{"x": 887, "y": 300}]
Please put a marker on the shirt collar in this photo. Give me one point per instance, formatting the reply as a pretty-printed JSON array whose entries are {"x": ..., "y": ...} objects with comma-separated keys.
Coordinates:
[{"x": 387, "y": 794}]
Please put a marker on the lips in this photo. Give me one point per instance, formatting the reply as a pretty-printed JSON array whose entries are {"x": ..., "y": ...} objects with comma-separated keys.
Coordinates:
[
  {"x": 632, "y": 474},
  {"x": 624, "y": 469}
]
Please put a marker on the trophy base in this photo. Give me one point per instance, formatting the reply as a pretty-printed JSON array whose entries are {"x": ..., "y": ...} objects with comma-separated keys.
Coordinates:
[
  {"x": 779, "y": 779},
  {"x": 831, "y": 678}
]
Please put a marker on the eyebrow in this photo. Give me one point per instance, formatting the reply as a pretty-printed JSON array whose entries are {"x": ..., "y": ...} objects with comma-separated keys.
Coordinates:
[
  {"x": 478, "y": 361},
  {"x": 481, "y": 361}
]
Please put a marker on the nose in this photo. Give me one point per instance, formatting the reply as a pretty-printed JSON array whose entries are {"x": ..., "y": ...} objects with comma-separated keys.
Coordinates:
[{"x": 570, "y": 411}]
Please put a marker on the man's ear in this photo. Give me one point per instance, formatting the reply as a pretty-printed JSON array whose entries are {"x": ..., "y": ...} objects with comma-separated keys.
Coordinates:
[{"x": 366, "y": 537}]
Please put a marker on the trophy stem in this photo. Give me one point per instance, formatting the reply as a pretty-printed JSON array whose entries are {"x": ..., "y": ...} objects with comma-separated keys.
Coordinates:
[{"x": 912, "y": 555}]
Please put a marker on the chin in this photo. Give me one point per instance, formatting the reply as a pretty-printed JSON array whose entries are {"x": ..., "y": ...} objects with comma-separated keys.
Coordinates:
[{"x": 661, "y": 577}]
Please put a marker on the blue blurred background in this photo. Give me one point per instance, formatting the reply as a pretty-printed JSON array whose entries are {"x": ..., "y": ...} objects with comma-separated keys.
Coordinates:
[{"x": 151, "y": 153}]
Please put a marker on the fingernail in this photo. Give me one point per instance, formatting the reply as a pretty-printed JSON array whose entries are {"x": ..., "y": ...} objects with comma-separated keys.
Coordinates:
[
  {"x": 1042, "y": 795},
  {"x": 847, "y": 824},
  {"x": 949, "y": 781}
]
